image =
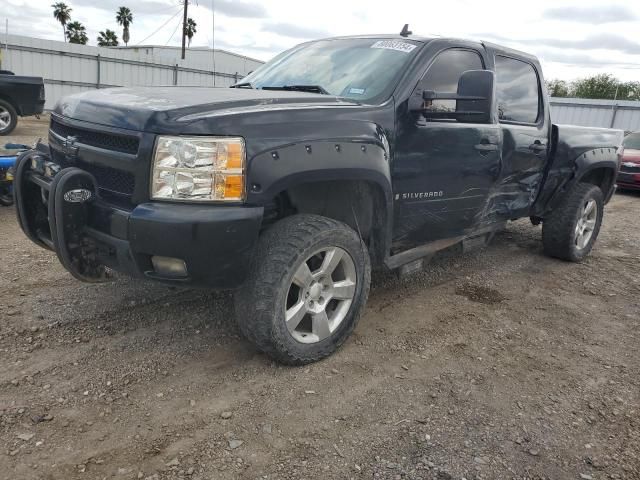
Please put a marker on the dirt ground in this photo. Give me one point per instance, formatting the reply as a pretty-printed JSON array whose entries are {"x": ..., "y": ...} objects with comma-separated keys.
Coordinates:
[
  {"x": 501, "y": 363},
  {"x": 27, "y": 132}
]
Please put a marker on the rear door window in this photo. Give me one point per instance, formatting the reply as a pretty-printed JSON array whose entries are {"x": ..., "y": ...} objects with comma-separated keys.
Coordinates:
[{"x": 517, "y": 90}]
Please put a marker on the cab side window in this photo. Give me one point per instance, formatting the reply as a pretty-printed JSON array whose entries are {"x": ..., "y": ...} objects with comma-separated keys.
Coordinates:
[
  {"x": 444, "y": 73},
  {"x": 517, "y": 90}
]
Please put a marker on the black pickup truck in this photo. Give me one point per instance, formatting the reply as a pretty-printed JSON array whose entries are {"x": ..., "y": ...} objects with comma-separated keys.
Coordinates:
[
  {"x": 19, "y": 96},
  {"x": 336, "y": 157}
]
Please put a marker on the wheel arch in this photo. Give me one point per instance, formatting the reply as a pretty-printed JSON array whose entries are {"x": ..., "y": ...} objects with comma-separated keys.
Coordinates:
[
  {"x": 345, "y": 179},
  {"x": 11, "y": 102},
  {"x": 597, "y": 166},
  {"x": 602, "y": 175},
  {"x": 362, "y": 203}
]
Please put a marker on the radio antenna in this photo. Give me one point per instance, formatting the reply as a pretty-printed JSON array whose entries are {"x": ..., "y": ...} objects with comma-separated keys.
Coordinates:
[{"x": 405, "y": 31}]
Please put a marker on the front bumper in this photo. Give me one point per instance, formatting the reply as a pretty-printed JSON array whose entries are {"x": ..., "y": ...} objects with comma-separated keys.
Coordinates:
[{"x": 215, "y": 242}]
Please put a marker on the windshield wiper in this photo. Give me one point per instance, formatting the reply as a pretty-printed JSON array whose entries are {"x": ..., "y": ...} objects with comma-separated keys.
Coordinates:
[
  {"x": 300, "y": 88},
  {"x": 242, "y": 85}
]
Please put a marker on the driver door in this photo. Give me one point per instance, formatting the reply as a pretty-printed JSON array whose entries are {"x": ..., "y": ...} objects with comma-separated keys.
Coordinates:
[{"x": 444, "y": 169}]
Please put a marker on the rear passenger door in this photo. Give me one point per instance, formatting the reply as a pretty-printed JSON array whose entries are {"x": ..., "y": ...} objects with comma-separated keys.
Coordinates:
[{"x": 525, "y": 126}]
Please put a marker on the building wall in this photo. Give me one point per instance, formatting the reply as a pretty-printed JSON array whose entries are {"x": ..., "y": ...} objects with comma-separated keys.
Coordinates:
[
  {"x": 230, "y": 62},
  {"x": 620, "y": 114},
  {"x": 68, "y": 68}
]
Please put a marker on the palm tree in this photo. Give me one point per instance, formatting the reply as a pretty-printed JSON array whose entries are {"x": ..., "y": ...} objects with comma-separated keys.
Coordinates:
[
  {"x": 190, "y": 29},
  {"x": 76, "y": 33},
  {"x": 124, "y": 17},
  {"x": 108, "y": 38},
  {"x": 62, "y": 13}
]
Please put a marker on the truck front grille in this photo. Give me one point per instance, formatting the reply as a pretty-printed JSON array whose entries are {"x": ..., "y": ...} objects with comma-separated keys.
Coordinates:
[
  {"x": 113, "y": 161},
  {"x": 110, "y": 179},
  {"x": 118, "y": 143}
]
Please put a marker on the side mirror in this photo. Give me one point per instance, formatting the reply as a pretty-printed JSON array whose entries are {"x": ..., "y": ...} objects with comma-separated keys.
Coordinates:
[
  {"x": 474, "y": 99},
  {"x": 475, "y": 95}
]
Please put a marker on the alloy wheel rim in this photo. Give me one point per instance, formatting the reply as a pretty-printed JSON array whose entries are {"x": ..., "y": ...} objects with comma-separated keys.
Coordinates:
[
  {"x": 320, "y": 295},
  {"x": 586, "y": 224},
  {"x": 5, "y": 118}
]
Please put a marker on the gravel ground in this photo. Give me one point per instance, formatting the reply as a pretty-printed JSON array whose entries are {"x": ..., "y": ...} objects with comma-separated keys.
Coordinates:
[
  {"x": 500, "y": 363},
  {"x": 27, "y": 132}
]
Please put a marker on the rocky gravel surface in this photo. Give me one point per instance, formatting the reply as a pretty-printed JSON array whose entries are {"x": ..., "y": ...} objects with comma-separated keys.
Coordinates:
[{"x": 500, "y": 363}]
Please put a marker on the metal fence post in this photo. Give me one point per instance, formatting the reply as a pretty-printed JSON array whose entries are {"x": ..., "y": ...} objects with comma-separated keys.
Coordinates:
[
  {"x": 98, "y": 71},
  {"x": 175, "y": 75},
  {"x": 614, "y": 111}
]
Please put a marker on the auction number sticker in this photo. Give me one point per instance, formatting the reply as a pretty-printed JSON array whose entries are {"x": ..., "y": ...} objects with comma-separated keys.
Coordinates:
[{"x": 394, "y": 45}]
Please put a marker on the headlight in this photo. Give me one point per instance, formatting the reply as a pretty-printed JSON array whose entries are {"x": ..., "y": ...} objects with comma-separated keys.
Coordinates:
[{"x": 198, "y": 169}]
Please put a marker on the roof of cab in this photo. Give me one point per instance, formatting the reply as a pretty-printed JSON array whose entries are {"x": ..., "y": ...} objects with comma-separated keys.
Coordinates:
[
  {"x": 423, "y": 39},
  {"x": 384, "y": 36},
  {"x": 510, "y": 51}
]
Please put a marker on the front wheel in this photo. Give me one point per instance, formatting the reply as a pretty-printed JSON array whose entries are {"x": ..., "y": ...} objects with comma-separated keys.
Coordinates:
[
  {"x": 572, "y": 228},
  {"x": 306, "y": 290}
]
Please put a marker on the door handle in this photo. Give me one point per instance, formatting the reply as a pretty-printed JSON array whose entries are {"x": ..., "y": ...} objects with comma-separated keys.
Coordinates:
[
  {"x": 486, "y": 147},
  {"x": 537, "y": 146}
]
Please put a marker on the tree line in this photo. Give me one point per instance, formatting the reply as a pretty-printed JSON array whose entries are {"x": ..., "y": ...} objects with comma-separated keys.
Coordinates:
[
  {"x": 602, "y": 86},
  {"x": 76, "y": 32}
]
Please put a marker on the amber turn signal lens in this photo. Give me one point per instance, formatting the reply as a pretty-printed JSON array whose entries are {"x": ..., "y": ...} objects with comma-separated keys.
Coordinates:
[
  {"x": 199, "y": 168},
  {"x": 233, "y": 187},
  {"x": 234, "y": 155}
]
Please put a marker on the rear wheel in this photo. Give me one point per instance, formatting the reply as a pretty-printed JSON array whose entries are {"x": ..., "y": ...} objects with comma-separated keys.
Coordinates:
[
  {"x": 308, "y": 285},
  {"x": 572, "y": 228},
  {"x": 8, "y": 118}
]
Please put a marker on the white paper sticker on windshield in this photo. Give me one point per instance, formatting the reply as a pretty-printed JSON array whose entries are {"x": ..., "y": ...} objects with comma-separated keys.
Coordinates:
[
  {"x": 394, "y": 45},
  {"x": 356, "y": 91}
]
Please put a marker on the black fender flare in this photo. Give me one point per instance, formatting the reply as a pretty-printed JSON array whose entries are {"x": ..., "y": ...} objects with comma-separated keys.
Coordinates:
[
  {"x": 358, "y": 159},
  {"x": 583, "y": 165},
  {"x": 606, "y": 158}
]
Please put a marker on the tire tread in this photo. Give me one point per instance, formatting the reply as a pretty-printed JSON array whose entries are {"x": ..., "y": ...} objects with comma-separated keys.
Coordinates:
[
  {"x": 273, "y": 259},
  {"x": 557, "y": 228}
]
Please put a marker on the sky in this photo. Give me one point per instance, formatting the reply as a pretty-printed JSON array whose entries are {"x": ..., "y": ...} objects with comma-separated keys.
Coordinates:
[{"x": 573, "y": 39}]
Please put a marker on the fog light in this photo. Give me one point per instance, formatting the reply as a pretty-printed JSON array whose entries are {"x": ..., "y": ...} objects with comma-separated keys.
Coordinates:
[{"x": 169, "y": 267}]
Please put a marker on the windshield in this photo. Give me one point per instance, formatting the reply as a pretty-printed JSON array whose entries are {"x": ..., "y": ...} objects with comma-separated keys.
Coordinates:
[
  {"x": 632, "y": 141},
  {"x": 362, "y": 69}
]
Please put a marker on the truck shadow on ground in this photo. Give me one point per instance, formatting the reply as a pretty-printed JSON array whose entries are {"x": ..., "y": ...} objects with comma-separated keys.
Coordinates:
[
  {"x": 628, "y": 193},
  {"x": 138, "y": 316}
]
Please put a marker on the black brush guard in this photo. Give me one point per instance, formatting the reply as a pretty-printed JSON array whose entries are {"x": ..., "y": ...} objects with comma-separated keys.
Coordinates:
[
  {"x": 54, "y": 222},
  {"x": 92, "y": 236}
]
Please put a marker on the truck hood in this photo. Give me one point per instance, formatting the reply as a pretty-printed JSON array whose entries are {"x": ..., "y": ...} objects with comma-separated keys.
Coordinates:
[{"x": 163, "y": 109}]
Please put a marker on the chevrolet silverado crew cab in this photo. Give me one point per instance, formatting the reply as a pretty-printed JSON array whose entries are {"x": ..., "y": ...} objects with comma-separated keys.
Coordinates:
[{"x": 337, "y": 157}]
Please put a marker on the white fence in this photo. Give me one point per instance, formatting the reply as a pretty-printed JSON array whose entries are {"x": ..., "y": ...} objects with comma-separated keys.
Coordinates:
[
  {"x": 68, "y": 68},
  {"x": 620, "y": 114}
]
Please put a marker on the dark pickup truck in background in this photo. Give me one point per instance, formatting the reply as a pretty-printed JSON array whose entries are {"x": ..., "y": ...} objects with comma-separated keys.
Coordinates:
[
  {"x": 19, "y": 96},
  {"x": 336, "y": 157}
]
